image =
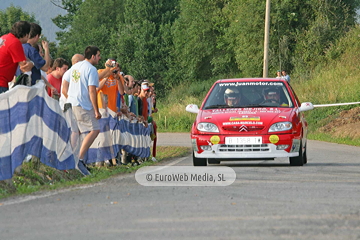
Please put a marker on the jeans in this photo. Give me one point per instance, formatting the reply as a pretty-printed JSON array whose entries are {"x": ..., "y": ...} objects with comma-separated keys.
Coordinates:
[{"x": 3, "y": 89}]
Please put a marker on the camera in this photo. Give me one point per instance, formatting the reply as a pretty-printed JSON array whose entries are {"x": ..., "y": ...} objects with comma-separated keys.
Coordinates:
[{"x": 113, "y": 63}]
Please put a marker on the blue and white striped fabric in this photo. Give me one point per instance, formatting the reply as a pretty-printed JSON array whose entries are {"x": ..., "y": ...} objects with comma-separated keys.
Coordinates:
[
  {"x": 32, "y": 123},
  {"x": 118, "y": 133}
]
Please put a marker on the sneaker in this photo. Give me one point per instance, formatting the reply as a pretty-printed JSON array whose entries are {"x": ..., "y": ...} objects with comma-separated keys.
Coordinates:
[
  {"x": 134, "y": 163},
  {"x": 154, "y": 159},
  {"x": 83, "y": 168},
  {"x": 111, "y": 163}
]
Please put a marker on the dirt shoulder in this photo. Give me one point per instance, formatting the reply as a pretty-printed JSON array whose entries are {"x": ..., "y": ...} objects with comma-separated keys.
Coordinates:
[{"x": 347, "y": 124}]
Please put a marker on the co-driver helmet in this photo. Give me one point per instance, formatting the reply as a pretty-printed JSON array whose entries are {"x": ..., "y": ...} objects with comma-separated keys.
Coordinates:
[{"x": 232, "y": 96}]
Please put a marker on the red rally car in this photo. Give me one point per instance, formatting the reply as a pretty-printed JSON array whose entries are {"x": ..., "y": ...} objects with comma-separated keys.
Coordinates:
[{"x": 249, "y": 119}]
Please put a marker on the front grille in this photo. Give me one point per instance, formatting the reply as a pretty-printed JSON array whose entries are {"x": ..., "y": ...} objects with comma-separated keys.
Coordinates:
[{"x": 244, "y": 148}]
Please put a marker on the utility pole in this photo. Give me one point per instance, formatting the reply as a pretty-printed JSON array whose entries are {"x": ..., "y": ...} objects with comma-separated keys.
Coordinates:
[{"x": 266, "y": 39}]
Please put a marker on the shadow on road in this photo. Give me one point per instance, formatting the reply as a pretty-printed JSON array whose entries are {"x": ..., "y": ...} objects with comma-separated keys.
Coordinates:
[
  {"x": 252, "y": 164},
  {"x": 285, "y": 164},
  {"x": 334, "y": 164}
]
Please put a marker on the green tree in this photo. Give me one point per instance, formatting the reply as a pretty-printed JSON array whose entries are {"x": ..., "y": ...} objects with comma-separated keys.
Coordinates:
[
  {"x": 12, "y": 15},
  {"x": 71, "y": 6},
  {"x": 245, "y": 35},
  {"x": 300, "y": 32},
  {"x": 91, "y": 24},
  {"x": 64, "y": 22},
  {"x": 329, "y": 22},
  {"x": 198, "y": 51},
  {"x": 143, "y": 40}
]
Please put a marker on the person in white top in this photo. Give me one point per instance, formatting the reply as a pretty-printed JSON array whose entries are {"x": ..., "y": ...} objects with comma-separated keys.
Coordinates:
[
  {"x": 80, "y": 89},
  {"x": 278, "y": 74}
]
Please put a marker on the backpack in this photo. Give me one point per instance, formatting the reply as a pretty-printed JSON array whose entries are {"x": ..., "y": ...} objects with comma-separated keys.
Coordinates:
[{"x": 22, "y": 79}]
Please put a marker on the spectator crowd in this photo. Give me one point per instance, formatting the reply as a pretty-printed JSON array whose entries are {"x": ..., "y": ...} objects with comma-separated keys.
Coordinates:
[{"x": 25, "y": 58}]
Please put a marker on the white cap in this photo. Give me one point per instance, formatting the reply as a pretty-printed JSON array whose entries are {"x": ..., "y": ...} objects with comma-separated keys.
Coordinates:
[{"x": 144, "y": 86}]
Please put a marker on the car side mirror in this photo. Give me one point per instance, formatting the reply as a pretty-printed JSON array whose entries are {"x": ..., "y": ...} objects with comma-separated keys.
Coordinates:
[
  {"x": 306, "y": 106},
  {"x": 192, "y": 108}
]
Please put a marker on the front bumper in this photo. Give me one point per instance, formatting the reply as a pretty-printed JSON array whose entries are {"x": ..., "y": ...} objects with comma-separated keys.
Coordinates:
[{"x": 204, "y": 146}]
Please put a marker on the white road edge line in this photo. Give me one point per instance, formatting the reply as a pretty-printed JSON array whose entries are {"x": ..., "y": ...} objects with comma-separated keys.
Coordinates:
[{"x": 52, "y": 193}]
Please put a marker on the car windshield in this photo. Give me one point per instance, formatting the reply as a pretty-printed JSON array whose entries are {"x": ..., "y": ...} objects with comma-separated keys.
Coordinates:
[{"x": 248, "y": 94}]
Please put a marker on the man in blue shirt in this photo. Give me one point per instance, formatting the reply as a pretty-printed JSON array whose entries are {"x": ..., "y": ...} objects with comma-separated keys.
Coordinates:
[
  {"x": 32, "y": 54},
  {"x": 285, "y": 76}
]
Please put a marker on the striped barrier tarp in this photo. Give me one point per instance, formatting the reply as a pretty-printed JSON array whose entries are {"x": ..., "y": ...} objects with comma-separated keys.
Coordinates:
[{"x": 33, "y": 123}]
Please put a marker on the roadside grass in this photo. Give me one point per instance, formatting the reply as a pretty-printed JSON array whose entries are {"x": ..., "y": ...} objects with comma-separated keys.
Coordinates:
[
  {"x": 35, "y": 177},
  {"x": 172, "y": 116},
  {"x": 329, "y": 138}
]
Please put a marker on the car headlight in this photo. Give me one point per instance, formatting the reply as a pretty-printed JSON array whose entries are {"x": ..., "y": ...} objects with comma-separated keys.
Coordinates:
[
  {"x": 207, "y": 127},
  {"x": 280, "y": 126}
]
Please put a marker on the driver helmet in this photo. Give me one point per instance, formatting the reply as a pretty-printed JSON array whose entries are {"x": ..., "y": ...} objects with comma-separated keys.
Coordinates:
[
  {"x": 232, "y": 97},
  {"x": 272, "y": 94}
]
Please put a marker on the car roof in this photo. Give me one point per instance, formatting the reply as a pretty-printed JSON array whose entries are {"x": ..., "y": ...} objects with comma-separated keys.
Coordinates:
[{"x": 251, "y": 80}]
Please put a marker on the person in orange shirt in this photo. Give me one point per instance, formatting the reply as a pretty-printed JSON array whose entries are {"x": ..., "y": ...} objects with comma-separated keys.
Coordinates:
[{"x": 110, "y": 86}]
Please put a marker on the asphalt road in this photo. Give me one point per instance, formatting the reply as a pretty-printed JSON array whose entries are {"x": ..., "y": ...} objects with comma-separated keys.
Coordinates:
[{"x": 268, "y": 200}]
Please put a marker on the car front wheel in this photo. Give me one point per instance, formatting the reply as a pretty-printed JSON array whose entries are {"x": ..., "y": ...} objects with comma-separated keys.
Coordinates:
[
  {"x": 199, "y": 161},
  {"x": 299, "y": 160},
  {"x": 305, "y": 155}
]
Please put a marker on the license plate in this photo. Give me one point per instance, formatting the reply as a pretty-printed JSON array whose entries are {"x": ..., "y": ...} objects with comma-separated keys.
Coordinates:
[{"x": 243, "y": 140}]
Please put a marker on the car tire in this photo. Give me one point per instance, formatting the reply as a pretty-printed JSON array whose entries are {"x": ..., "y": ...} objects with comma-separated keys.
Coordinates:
[
  {"x": 213, "y": 161},
  {"x": 299, "y": 160},
  {"x": 199, "y": 161},
  {"x": 305, "y": 155}
]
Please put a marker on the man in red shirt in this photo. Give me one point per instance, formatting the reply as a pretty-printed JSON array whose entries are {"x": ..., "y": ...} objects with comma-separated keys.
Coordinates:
[
  {"x": 12, "y": 53},
  {"x": 60, "y": 66}
]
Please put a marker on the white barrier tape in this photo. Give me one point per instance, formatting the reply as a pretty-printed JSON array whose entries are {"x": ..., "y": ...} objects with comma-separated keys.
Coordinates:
[{"x": 336, "y": 104}]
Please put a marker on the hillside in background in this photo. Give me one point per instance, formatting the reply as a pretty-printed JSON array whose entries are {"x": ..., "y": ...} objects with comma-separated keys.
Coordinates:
[{"x": 43, "y": 11}]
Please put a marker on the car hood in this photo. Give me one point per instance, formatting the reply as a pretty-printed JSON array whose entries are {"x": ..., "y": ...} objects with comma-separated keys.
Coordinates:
[{"x": 246, "y": 120}]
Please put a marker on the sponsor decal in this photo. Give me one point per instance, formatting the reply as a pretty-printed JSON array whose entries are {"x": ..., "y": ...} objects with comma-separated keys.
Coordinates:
[
  {"x": 215, "y": 139},
  {"x": 242, "y": 123},
  {"x": 235, "y": 84},
  {"x": 245, "y": 111},
  {"x": 274, "y": 139},
  {"x": 245, "y": 118},
  {"x": 221, "y": 111}
]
